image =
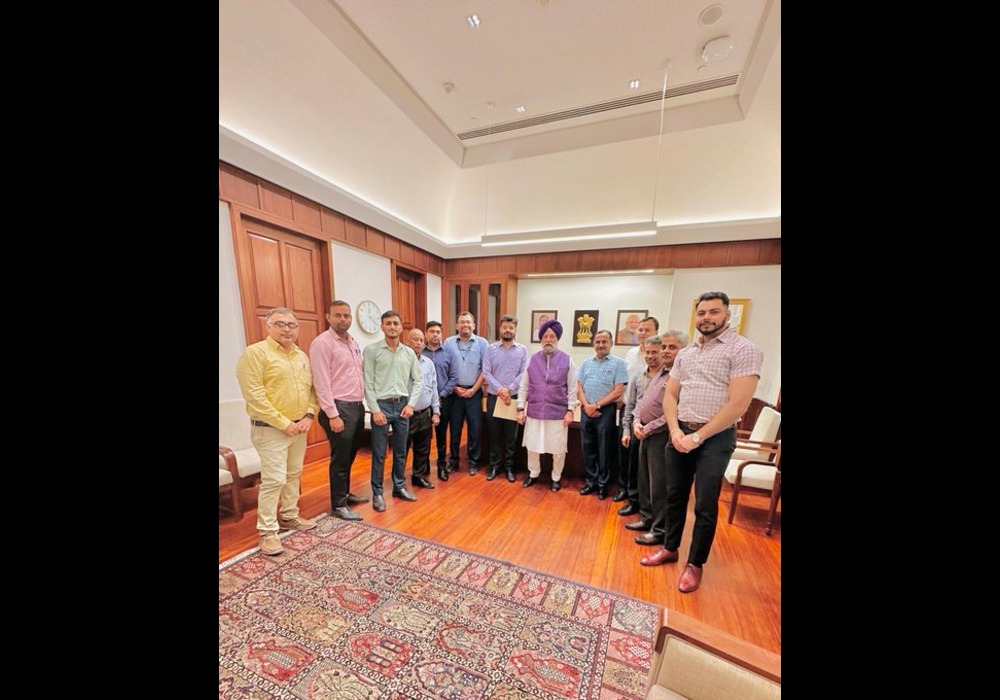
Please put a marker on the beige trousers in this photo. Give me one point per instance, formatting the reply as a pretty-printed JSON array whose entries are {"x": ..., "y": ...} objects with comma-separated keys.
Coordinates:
[
  {"x": 281, "y": 459},
  {"x": 535, "y": 464}
]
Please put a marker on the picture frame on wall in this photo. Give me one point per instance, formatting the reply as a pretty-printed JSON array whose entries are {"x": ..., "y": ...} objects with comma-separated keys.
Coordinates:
[
  {"x": 627, "y": 326},
  {"x": 537, "y": 319},
  {"x": 740, "y": 309},
  {"x": 585, "y": 324}
]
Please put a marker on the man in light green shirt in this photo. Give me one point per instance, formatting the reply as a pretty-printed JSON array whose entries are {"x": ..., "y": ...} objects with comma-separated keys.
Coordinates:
[
  {"x": 389, "y": 368},
  {"x": 276, "y": 381}
]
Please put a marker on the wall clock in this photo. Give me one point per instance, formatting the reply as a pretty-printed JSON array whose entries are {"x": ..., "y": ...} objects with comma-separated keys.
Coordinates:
[{"x": 369, "y": 316}]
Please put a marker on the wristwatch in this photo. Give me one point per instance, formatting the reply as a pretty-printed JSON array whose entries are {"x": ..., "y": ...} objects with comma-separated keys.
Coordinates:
[{"x": 695, "y": 438}]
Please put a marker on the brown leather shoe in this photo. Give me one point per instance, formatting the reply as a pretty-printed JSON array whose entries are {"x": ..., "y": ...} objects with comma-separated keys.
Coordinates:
[
  {"x": 663, "y": 556},
  {"x": 641, "y": 524},
  {"x": 422, "y": 482},
  {"x": 649, "y": 538},
  {"x": 690, "y": 579}
]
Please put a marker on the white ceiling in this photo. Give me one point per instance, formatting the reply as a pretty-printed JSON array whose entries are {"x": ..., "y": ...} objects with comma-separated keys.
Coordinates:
[{"x": 306, "y": 88}]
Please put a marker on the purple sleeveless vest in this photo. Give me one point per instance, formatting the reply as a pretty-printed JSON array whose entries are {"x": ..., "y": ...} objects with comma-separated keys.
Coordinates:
[{"x": 547, "y": 388}]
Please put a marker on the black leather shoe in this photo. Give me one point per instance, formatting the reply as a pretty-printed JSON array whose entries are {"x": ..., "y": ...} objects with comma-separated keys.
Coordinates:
[
  {"x": 422, "y": 483},
  {"x": 641, "y": 524},
  {"x": 587, "y": 490},
  {"x": 630, "y": 509},
  {"x": 556, "y": 486},
  {"x": 404, "y": 494},
  {"x": 649, "y": 538},
  {"x": 510, "y": 476},
  {"x": 353, "y": 500},
  {"x": 529, "y": 481},
  {"x": 442, "y": 474},
  {"x": 491, "y": 474},
  {"x": 602, "y": 493},
  {"x": 378, "y": 503},
  {"x": 473, "y": 470},
  {"x": 345, "y": 513},
  {"x": 620, "y": 496},
  {"x": 452, "y": 468}
]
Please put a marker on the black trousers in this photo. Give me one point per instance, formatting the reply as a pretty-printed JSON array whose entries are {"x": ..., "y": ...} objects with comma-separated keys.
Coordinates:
[
  {"x": 705, "y": 466},
  {"x": 597, "y": 438},
  {"x": 441, "y": 431},
  {"x": 343, "y": 447},
  {"x": 652, "y": 480},
  {"x": 419, "y": 440},
  {"x": 503, "y": 437},
  {"x": 469, "y": 411}
]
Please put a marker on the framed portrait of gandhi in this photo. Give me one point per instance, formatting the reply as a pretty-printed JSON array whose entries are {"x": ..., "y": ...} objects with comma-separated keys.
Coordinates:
[{"x": 584, "y": 327}]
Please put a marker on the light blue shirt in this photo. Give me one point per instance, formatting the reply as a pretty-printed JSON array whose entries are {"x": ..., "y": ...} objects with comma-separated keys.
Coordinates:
[
  {"x": 470, "y": 356},
  {"x": 598, "y": 377},
  {"x": 429, "y": 394}
]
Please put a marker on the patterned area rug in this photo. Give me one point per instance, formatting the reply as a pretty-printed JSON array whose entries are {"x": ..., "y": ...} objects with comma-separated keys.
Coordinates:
[{"x": 354, "y": 612}]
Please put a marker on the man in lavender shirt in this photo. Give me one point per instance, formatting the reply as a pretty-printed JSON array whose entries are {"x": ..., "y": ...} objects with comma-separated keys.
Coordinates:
[
  {"x": 337, "y": 376},
  {"x": 503, "y": 365}
]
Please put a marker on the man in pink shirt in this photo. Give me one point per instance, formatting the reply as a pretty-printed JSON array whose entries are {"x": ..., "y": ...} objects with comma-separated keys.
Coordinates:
[{"x": 339, "y": 383}]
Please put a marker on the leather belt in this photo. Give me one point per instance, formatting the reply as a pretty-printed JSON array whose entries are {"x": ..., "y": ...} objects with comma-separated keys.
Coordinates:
[
  {"x": 262, "y": 424},
  {"x": 349, "y": 403},
  {"x": 464, "y": 386},
  {"x": 395, "y": 399},
  {"x": 691, "y": 426},
  {"x": 422, "y": 410}
]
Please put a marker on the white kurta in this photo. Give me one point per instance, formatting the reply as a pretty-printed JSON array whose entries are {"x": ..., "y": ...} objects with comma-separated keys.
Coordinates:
[{"x": 546, "y": 436}]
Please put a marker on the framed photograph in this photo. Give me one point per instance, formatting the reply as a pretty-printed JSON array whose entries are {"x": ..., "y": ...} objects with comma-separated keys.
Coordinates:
[
  {"x": 740, "y": 309},
  {"x": 584, "y": 326},
  {"x": 537, "y": 319},
  {"x": 627, "y": 325}
]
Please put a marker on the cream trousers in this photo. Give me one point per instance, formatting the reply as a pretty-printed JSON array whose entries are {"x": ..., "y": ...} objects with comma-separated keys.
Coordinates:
[
  {"x": 535, "y": 464},
  {"x": 281, "y": 459}
]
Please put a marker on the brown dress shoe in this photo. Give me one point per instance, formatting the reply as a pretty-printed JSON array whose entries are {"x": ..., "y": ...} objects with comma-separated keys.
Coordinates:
[
  {"x": 663, "y": 556},
  {"x": 690, "y": 579},
  {"x": 422, "y": 482}
]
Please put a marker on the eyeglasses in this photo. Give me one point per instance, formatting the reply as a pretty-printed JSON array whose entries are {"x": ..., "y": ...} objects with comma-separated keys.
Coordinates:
[{"x": 291, "y": 325}]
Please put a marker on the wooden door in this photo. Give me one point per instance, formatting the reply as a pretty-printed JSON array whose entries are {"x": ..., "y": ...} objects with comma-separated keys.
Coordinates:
[
  {"x": 279, "y": 268},
  {"x": 409, "y": 298}
]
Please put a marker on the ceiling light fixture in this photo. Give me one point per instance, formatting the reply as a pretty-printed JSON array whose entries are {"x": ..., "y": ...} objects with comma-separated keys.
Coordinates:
[
  {"x": 519, "y": 109},
  {"x": 590, "y": 274},
  {"x": 634, "y": 85},
  {"x": 717, "y": 49},
  {"x": 473, "y": 21},
  {"x": 585, "y": 233}
]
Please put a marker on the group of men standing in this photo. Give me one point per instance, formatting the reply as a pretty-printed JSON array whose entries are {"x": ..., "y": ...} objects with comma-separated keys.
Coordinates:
[{"x": 677, "y": 423}]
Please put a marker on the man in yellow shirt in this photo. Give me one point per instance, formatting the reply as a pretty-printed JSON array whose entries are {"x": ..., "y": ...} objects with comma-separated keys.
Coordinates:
[{"x": 276, "y": 381}]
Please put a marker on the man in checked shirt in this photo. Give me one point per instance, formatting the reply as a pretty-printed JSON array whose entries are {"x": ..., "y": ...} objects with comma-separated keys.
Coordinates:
[{"x": 710, "y": 386}]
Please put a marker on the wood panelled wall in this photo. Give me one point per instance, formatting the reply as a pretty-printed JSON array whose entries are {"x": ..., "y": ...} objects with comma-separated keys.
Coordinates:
[
  {"x": 725, "y": 254},
  {"x": 277, "y": 205},
  {"x": 253, "y": 193}
]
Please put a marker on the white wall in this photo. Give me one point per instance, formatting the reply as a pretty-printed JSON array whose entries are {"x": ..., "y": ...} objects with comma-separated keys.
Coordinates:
[
  {"x": 762, "y": 285},
  {"x": 358, "y": 276},
  {"x": 434, "y": 311},
  {"x": 605, "y": 293},
  {"x": 232, "y": 335},
  {"x": 668, "y": 298}
]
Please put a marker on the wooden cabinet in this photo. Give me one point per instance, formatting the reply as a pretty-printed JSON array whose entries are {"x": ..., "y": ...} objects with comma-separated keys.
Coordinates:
[{"x": 487, "y": 298}]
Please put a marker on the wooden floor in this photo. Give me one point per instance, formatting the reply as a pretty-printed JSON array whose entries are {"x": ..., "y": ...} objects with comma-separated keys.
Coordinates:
[{"x": 575, "y": 537}]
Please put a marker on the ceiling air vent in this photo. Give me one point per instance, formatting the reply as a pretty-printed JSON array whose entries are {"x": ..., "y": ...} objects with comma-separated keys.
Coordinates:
[{"x": 679, "y": 91}]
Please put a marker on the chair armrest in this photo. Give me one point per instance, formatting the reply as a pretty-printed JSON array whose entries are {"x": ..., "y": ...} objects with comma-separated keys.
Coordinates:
[
  {"x": 227, "y": 454},
  {"x": 761, "y": 445},
  {"x": 734, "y": 650}
]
